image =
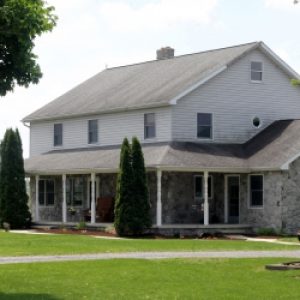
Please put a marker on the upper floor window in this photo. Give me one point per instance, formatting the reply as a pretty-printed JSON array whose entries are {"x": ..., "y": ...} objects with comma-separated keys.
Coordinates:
[
  {"x": 93, "y": 131},
  {"x": 199, "y": 187},
  {"x": 46, "y": 192},
  {"x": 256, "y": 71},
  {"x": 58, "y": 134},
  {"x": 204, "y": 125},
  {"x": 256, "y": 190},
  {"x": 149, "y": 126}
]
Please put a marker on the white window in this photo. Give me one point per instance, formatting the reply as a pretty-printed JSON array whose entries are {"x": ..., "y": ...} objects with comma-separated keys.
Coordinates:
[
  {"x": 58, "y": 134},
  {"x": 199, "y": 187},
  {"x": 46, "y": 192},
  {"x": 93, "y": 131},
  {"x": 149, "y": 126},
  {"x": 204, "y": 125},
  {"x": 75, "y": 190},
  {"x": 256, "y": 190},
  {"x": 256, "y": 71}
]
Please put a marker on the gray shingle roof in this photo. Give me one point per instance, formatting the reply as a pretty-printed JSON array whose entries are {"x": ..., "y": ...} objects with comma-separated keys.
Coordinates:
[
  {"x": 148, "y": 84},
  {"x": 269, "y": 150}
]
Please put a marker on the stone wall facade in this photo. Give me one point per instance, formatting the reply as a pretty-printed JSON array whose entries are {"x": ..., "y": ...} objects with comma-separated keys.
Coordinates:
[
  {"x": 179, "y": 205},
  {"x": 269, "y": 215},
  {"x": 291, "y": 198}
]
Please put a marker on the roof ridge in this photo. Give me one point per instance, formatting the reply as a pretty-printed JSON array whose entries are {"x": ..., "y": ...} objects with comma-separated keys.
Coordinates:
[{"x": 182, "y": 55}]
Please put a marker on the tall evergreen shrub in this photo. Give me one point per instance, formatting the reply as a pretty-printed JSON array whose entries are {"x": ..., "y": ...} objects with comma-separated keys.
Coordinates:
[
  {"x": 132, "y": 209},
  {"x": 124, "y": 191},
  {"x": 13, "y": 197},
  {"x": 140, "y": 186}
]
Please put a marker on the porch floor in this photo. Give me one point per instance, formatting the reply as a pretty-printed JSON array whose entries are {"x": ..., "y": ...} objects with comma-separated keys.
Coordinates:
[
  {"x": 46, "y": 224},
  {"x": 165, "y": 229},
  {"x": 199, "y": 229}
]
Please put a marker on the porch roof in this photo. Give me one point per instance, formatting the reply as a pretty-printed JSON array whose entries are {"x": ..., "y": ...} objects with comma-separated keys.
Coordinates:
[
  {"x": 162, "y": 155},
  {"x": 271, "y": 149}
]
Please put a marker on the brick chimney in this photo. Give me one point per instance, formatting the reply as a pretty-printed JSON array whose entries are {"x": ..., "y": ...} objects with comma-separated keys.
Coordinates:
[{"x": 165, "y": 53}]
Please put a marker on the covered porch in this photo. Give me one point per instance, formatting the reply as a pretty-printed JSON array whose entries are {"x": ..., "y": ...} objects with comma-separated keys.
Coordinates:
[
  {"x": 187, "y": 199},
  {"x": 189, "y": 184}
]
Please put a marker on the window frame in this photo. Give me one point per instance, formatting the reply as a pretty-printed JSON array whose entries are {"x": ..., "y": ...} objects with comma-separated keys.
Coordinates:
[
  {"x": 45, "y": 193},
  {"x": 211, "y": 126},
  {"x": 97, "y": 132},
  {"x": 55, "y": 145},
  {"x": 250, "y": 205},
  {"x": 202, "y": 180},
  {"x": 255, "y": 71},
  {"x": 147, "y": 126},
  {"x": 70, "y": 194}
]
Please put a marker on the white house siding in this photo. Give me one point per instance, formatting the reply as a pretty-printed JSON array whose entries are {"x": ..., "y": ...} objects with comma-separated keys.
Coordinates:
[
  {"x": 112, "y": 128},
  {"x": 234, "y": 101}
]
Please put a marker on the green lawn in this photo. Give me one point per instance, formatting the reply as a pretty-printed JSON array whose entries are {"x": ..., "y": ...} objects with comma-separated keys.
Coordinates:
[
  {"x": 13, "y": 244},
  {"x": 149, "y": 279}
]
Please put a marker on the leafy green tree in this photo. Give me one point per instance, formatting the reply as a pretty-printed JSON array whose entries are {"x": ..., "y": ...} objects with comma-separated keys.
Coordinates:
[
  {"x": 124, "y": 191},
  {"x": 21, "y": 21},
  {"x": 13, "y": 198},
  {"x": 140, "y": 193}
]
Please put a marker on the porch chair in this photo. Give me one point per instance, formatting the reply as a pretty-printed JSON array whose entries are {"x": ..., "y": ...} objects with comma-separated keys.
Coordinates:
[{"x": 105, "y": 209}]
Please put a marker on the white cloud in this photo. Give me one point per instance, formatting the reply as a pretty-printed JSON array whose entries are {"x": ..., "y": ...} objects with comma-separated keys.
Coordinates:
[
  {"x": 283, "y": 53},
  {"x": 157, "y": 15},
  {"x": 282, "y": 4}
]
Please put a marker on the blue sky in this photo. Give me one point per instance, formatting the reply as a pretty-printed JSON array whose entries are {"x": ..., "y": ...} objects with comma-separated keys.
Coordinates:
[{"x": 93, "y": 33}]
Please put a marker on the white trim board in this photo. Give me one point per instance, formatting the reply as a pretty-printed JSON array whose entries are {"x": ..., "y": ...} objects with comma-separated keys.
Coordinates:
[{"x": 282, "y": 64}]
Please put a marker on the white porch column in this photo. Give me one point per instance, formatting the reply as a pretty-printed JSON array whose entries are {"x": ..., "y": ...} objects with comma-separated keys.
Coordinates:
[
  {"x": 206, "y": 204},
  {"x": 64, "y": 203},
  {"x": 37, "y": 204},
  {"x": 93, "y": 199},
  {"x": 158, "y": 203}
]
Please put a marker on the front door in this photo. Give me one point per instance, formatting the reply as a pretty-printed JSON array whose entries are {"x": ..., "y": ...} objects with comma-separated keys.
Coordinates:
[{"x": 233, "y": 198}]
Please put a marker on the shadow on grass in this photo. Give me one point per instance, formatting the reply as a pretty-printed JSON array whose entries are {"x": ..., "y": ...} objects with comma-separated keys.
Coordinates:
[{"x": 23, "y": 296}]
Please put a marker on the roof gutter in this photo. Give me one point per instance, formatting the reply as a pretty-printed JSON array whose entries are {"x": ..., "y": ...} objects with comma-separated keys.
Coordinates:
[
  {"x": 115, "y": 110},
  {"x": 237, "y": 170},
  {"x": 26, "y": 125}
]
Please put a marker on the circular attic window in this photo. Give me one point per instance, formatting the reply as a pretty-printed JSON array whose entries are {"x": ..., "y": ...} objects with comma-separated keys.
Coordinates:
[{"x": 256, "y": 122}]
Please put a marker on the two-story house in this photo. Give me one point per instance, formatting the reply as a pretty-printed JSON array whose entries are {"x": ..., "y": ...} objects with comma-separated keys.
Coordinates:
[{"x": 220, "y": 135}]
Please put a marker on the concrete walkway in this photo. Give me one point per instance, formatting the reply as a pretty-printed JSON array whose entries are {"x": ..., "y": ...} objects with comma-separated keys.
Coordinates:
[
  {"x": 274, "y": 241},
  {"x": 150, "y": 255}
]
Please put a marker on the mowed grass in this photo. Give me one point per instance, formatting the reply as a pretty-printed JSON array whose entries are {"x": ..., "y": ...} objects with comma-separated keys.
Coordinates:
[
  {"x": 13, "y": 244},
  {"x": 149, "y": 279}
]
